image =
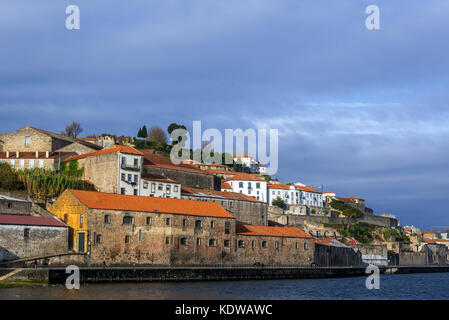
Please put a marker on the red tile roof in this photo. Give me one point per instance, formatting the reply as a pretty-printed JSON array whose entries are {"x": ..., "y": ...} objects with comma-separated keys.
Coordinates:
[
  {"x": 224, "y": 194},
  {"x": 225, "y": 186},
  {"x": 32, "y": 155},
  {"x": 154, "y": 160},
  {"x": 307, "y": 189},
  {"x": 156, "y": 177},
  {"x": 274, "y": 231},
  {"x": 279, "y": 186},
  {"x": 245, "y": 177},
  {"x": 117, "y": 148},
  {"x": 111, "y": 201},
  {"x": 31, "y": 221},
  {"x": 435, "y": 240},
  {"x": 241, "y": 156}
]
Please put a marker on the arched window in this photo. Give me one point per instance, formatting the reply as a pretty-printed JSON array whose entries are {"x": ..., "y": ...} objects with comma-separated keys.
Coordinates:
[{"x": 127, "y": 220}]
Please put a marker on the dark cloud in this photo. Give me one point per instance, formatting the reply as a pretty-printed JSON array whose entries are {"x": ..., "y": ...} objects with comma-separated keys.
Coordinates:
[{"x": 363, "y": 112}]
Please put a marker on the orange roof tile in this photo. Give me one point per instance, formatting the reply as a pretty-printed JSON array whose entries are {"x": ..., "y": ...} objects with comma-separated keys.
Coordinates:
[
  {"x": 245, "y": 177},
  {"x": 279, "y": 186},
  {"x": 223, "y": 194},
  {"x": 272, "y": 231},
  {"x": 226, "y": 186},
  {"x": 112, "y": 201},
  {"x": 154, "y": 160},
  {"x": 307, "y": 188},
  {"x": 118, "y": 148}
]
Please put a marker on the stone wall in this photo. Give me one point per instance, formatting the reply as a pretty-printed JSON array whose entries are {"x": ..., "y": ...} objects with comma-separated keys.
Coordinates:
[
  {"x": 102, "y": 171},
  {"x": 246, "y": 212},
  {"x": 15, "y": 141},
  {"x": 332, "y": 256},
  {"x": 300, "y": 220},
  {"x": 41, "y": 241},
  {"x": 279, "y": 251},
  {"x": 372, "y": 254},
  {"x": 11, "y": 206},
  {"x": 186, "y": 178},
  {"x": 77, "y": 148},
  {"x": 157, "y": 242}
]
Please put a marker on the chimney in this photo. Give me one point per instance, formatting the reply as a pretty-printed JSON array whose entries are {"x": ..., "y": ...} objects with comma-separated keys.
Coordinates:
[
  {"x": 17, "y": 154},
  {"x": 37, "y": 154},
  {"x": 46, "y": 154}
]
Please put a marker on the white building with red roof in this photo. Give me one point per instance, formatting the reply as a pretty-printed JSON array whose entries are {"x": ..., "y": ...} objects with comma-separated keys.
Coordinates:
[
  {"x": 295, "y": 194},
  {"x": 249, "y": 184}
]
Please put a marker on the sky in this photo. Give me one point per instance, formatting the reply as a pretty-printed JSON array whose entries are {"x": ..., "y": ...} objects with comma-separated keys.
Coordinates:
[{"x": 362, "y": 112}]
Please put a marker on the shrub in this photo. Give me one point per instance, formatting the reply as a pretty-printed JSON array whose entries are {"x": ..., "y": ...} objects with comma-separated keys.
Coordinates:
[{"x": 9, "y": 179}]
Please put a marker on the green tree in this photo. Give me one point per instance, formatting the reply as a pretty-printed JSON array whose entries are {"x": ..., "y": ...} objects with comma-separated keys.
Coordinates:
[
  {"x": 9, "y": 180},
  {"x": 139, "y": 133},
  {"x": 278, "y": 202},
  {"x": 173, "y": 126},
  {"x": 144, "y": 132}
]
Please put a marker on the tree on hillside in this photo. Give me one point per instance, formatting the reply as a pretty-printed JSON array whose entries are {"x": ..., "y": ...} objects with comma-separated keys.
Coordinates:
[
  {"x": 157, "y": 135},
  {"x": 144, "y": 132},
  {"x": 278, "y": 202},
  {"x": 139, "y": 133},
  {"x": 73, "y": 130},
  {"x": 173, "y": 126},
  {"x": 9, "y": 180}
]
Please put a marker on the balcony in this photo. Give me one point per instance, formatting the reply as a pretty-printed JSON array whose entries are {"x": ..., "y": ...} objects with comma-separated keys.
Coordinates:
[{"x": 131, "y": 167}]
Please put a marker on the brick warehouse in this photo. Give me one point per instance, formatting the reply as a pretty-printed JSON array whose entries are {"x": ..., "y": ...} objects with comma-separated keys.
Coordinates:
[{"x": 122, "y": 230}]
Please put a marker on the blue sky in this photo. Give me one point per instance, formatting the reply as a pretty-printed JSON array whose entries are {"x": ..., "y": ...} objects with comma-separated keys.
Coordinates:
[{"x": 365, "y": 113}]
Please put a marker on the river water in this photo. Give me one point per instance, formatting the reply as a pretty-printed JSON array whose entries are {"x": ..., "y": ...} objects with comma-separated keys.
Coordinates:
[{"x": 404, "y": 286}]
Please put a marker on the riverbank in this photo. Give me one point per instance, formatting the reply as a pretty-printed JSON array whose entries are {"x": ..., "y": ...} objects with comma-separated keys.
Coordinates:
[{"x": 167, "y": 274}]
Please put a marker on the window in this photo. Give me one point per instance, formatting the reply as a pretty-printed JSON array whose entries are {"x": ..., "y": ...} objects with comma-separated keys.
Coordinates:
[
  {"x": 264, "y": 244},
  {"x": 130, "y": 177},
  {"x": 212, "y": 242},
  {"x": 227, "y": 227},
  {"x": 26, "y": 233},
  {"x": 241, "y": 243},
  {"x": 297, "y": 245},
  {"x": 123, "y": 162},
  {"x": 127, "y": 220},
  {"x": 81, "y": 220},
  {"x": 13, "y": 163},
  {"x": 135, "y": 192},
  {"x": 98, "y": 239},
  {"x": 227, "y": 243},
  {"x": 123, "y": 177},
  {"x": 22, "y": 164},
  {"x": 27, "y": 141},
  {"x": 122, "y": 191},
  {"x": 167, "y": 221},
  {"x": 66, "y": 217},
  {"x": 148, "y": 221},
  {"x": 183, "y": 241},
  {"x": 140, "y": 235},
  {"x": 305, "y": 245},
  {"x": 107, "y": 219},
  {"x": 167, "y": 189},
  {"x": 212, "y": 224},
  {"x": 175, "y": 189},
  {"x": 135, "y": 178},
  {"x": 9, "y": 205},
  {"x": 276, "y": 244},
  {"x": 31, "y": 164},
  {"x": 136, "y": 162},
  {"x": 240, "y": 184},
  {"x": 167, "y": 240},
  {"x": 184, "y": 223},
  {"x": 41, "y": 164},
  {"x": 253, "y": 243},
  {"x": 198, "y": 241},
  {"x": 258, "y": 185},
  {"x": 127, "y": 239},
  {"x": 198, "y": 224},
  {"x": 145, "y": 185},
  {"x": 153, "y": 187},
  {"x": 160, "y": 187}
]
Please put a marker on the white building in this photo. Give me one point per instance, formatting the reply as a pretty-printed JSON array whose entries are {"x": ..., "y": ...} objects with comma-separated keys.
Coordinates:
[
  {"x": 294, "y": 194},
  {"x": 247, "y": 161},
  {"x": 249, "y": 184},
  {"x": 157, "y": 186}
]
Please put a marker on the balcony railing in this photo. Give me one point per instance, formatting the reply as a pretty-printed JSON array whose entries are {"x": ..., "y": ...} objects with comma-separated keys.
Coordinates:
[{"x": 132, "y": 167}]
